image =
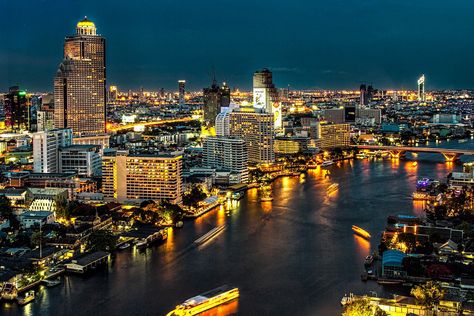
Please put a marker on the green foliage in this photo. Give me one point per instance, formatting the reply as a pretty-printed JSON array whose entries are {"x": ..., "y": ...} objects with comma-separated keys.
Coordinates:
[
  {"x": 193, "y": 197},
  {"x": 6, "y": 209},
  {"x": 62, "y": 209},
  {"x": 101, "y": 240},
  {"x": 362, "y": 307},
  {"x": 428, "y": 294}
]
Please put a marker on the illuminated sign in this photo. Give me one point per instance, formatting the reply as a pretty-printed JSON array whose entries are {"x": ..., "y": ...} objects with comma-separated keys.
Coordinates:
[{"x": 260, "y": 98}]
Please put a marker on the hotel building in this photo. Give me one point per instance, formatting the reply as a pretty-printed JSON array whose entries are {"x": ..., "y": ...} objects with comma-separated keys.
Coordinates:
[
  {"x": 79, "y": 85},
  {"x": 127, "y": 177}
]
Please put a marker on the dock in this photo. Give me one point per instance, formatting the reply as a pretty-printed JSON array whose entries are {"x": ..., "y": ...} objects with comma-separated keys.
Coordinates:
[{"x": 85, "y": 263}]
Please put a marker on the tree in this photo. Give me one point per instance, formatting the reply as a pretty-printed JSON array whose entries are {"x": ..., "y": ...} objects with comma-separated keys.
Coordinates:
[
  {"x": 194, "y": 196},
  {"x": 362, "y": 307},
  {"x": 62, "y": 209},
  {"x": 101, "y": 240},
  {"x": 6, "y": 209},
  {"x": 428, "y": 294}
]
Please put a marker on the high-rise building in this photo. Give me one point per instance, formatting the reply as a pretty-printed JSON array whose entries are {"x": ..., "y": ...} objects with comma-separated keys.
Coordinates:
[
  {"x": 215, "y": 97},
  {"x": 227, "y": 153},
  {"x": 265, "y": 95},
  {"x": 223, "y": 123},
  {"x": 363, "y": 95},
  {"x": 333, "y": 135},
  {"x": 84, "y": 160},
  {"x": 16, "y": 110},
  {"x": 46, "y": 145},
  {"x": 257, "y": 130},
  {"x": 127, "y": 177},
  {"x": 181, "y": 93},
  {"x": 421, "y": 88},
  {"x": 79, "y": 85},
  {"x": 113, "y": 92}
]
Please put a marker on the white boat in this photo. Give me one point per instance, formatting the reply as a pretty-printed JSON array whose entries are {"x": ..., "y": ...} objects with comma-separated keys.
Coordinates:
[
  {"x": 347, "y": 299},
  {"x": 327, "y": 163},
  {"x": 332, "y": 188},
  {"x": 29, "y": 296},
  {"x": 53, "y": 282},
  {"x": 141, "y": 244},
  {"x": 124, "y": 246}
]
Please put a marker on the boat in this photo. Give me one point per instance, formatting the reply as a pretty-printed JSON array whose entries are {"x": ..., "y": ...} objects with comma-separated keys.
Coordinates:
[
  {"x": 368, "y": 260},
  {"x": 362, "y": 156},
  {"x": 142, "y": 243},
  {"x": 361, "y": 232},
  {"x": 9, "y": 292},
  {"x": 124, "y": 246},
  {"x": 333, "y": 188},
  {"x": 52, "y": 282},
  {"x": 213, "y": 232},
  {"x": 29, "y": 296},
  {"x": 347, "y": 299},
  {"x": 205, "y": 301},
  {"x": 327, "y": 163},
  {"x": 266, "y": 193}
]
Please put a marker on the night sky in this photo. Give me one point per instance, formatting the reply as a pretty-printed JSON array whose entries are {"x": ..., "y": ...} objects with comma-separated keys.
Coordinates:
[{"x": 328, "y": 44}]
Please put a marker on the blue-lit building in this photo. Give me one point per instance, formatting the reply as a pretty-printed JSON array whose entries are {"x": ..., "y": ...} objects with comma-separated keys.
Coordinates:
[{"x": 392, "y": 264}]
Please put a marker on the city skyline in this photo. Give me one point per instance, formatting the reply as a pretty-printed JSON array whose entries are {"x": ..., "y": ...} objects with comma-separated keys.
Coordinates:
[{"x": 308, "y": 45}]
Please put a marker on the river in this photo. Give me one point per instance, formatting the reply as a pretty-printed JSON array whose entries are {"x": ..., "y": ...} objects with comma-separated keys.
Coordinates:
[{"x": 295, "y": 255}]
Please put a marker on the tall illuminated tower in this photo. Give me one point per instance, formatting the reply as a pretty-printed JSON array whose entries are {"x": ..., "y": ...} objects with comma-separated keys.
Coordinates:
[
  {"x": 79, "y": 85},
  {"x": 421, "y": 88},
  {"x": 265, "y": 95},
  {"x": 181, "y": 93}
]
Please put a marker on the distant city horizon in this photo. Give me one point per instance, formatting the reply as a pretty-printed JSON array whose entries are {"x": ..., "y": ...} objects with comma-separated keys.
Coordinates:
[{"x": 307, "y": 46}]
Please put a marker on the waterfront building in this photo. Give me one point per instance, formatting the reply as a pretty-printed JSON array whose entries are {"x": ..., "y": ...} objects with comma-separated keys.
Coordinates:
[
  {"x": 257, "y": 130},
  {"x": 227, "y": 153},
  {"x": 136, "y": 177},
  {"x": 84, "y": 160},
  {"x": 79, "y": 85},
  {"x": 181, "y": 93},
  {"x": 333, "y": 135},
  {"x": 265, "y": 95},
  {"x": 290, "y": 145},
  {"x": 46, "y": 145},
  {"x": 215, "y": 97},
  {"x": 16, "y": 110}
]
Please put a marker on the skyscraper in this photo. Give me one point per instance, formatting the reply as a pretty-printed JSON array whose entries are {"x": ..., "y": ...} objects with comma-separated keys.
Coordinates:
[
  {"x": 181, "y": 93},
  {"x": 227, "y": 153},
  {"x": 421, "y": 88},
  {"x": 257, "y": 131},
  {"x": 79, "y": 85},
  {"x": 16, "y": 110},
  {"x": 363, "y": 95},
  {"x": 265, "y": 95},
  {"x": 215, "y": 97}
]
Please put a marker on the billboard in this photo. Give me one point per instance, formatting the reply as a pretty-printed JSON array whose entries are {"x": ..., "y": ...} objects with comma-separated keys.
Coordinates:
[
  {"x": 260, "y": 98},
  {"x": 276, "y": 110}
]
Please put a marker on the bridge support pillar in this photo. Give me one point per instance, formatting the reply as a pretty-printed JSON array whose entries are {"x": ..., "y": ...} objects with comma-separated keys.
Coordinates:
[
  {"x": 450, "y": 157},
  {"x": 396, "y": 154}
]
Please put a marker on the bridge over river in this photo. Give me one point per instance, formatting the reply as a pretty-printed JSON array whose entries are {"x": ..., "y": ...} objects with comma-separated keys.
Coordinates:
[{"x": 449, "y": 154}]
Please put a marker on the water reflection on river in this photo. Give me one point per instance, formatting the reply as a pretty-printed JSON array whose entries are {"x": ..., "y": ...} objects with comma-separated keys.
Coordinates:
[{"x": 295, "y": 255}]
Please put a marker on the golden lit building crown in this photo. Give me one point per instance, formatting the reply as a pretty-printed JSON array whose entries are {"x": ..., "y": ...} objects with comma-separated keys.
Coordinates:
[{"x": 86, "y": 27}]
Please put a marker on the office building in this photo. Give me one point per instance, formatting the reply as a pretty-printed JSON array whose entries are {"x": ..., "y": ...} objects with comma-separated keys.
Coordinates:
[
  {"x": 79, "y": 85},
  {"x": 45, "y": 119},
  {"x": 421, "y": 88},
  {"x": 46, "y": 145},
  {"x": 333, "y": 135},
  {"x": 215, "y": 97},
  {"x": 16, "y": 110},
  {"x": 84, "y": 160},
  {"x": 265, "y": 95},
  {"x": 227, "y": 154},
  {"x": 257, "y": 130},
  {"x": 127, "y": 177},
  {"x": 181, "y": 93}
]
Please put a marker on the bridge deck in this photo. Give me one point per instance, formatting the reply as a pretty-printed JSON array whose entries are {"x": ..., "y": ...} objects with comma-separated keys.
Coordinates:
[{"x": 418, "y": 149}]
